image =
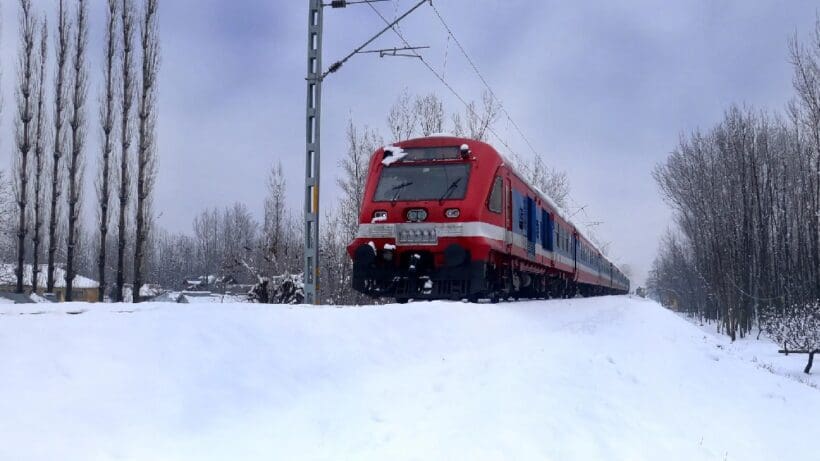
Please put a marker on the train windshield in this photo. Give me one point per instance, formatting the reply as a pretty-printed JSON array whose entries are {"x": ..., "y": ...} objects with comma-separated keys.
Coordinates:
[{"x": 423, "y": 182}]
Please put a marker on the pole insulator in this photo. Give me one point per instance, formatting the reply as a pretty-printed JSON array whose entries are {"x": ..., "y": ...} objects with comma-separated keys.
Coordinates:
[
  {"x": 338, "y": 4},
  {"x": 334, "y": 67}
]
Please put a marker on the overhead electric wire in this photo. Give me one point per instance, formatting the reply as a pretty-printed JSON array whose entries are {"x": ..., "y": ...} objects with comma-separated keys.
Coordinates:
[
  {"x": 581, "y": 209},
  {"x": 443, "y": 80},
  {"x": 483, "y": 80},
  {"x": 440, "y": 77}
]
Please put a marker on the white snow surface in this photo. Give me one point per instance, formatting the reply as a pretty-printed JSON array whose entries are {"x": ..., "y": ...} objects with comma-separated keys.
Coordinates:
[{"x": 585, "y": 379}]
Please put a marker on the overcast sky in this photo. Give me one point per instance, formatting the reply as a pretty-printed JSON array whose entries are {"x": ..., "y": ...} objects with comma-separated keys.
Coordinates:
[{"x": 602, "y": 89}]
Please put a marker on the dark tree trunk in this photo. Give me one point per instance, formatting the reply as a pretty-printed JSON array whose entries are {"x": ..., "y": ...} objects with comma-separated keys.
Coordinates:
[
  {"x": 63, "y": 29},
  {"x": 25, "y": 94},
  {"x": 107, "y": 119},
  {"x": 77, "y": 141},
  {"x": 38, "y": 155},
  {"x": 127, "y": 79},
  {"x": 145, "y": 153}
]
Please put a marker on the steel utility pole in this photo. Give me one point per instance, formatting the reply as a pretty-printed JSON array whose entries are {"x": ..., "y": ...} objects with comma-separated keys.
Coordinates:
[
  {"x": 315, "y": 77},
  {"x": 313, "y": 153}
]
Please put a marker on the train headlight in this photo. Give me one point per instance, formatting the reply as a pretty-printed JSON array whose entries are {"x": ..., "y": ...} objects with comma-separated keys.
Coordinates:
[
  {"x": 452, "y": 213},
  {"x": 417, "y": 215},
  {"x": 379, "y": 216}
]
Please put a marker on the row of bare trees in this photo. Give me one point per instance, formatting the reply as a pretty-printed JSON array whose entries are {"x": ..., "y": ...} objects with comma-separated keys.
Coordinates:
[
  {"x": 746, "y": 197},
  {"x": 49, "y": 189},
  {"x": 230, "y": 243}
]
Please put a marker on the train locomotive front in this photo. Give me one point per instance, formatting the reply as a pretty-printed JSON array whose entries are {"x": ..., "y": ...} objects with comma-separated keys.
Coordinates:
[{"x": 424, "y": 232}]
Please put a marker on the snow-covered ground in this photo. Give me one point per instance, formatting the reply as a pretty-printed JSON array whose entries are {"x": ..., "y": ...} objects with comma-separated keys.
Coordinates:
[{"x": 606, "y": 378}]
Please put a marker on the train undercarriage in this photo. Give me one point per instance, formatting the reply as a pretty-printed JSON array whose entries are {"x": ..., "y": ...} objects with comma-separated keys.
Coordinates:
[{"x": 415, "y": 275}]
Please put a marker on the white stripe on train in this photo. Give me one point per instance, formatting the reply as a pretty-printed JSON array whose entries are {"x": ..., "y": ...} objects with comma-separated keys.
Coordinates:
[{"x": 478, "y": 229}]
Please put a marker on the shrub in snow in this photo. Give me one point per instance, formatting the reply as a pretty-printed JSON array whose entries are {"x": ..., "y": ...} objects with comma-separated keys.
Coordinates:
[
  {"x": 796, "y": 328},
  {"x": 288, "y": 289},
  {"x": 281, "y": 289}
]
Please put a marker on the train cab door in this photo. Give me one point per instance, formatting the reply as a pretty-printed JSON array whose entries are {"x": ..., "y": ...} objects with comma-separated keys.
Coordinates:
[
  {"x": 575, "y": 254},
  {"x": 531, "y": 232},
  {"x": 508, "y": 206}
]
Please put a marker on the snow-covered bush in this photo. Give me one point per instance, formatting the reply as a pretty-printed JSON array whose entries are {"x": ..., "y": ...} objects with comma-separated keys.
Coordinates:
[
  {"x": 796, "y": 328},
  {"x": 280, "y": 289}
]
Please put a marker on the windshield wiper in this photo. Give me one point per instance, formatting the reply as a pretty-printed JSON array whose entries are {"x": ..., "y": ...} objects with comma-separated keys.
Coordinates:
[
  {"x": 449, "y": 190},
  {"x": 398, "y": 188}
]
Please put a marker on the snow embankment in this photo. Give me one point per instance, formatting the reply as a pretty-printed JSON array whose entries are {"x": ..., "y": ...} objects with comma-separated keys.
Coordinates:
[{"x": 605, "y": 378}]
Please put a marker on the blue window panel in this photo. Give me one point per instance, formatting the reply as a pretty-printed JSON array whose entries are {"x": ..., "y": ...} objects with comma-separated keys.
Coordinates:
[
  {"x": 546, "y": 230},
  {"x": 530, "y": 220},
  {"x": 519, "y": 213}
]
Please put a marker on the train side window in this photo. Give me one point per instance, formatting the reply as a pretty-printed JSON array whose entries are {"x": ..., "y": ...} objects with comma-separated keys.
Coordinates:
[{"x": 496, "y": 201}]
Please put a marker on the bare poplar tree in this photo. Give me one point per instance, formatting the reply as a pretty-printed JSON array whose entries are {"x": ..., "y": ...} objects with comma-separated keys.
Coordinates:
[
  {"x": 402, "y": 118},
  {"x": 430, "y": 114},
  {"x": 479, "y": 122},
  {"x": 126, "y": 112},
  {"x": 62, "y": 51},
  {"x": 146, "y": 153},
  {"x": 107, "y": 116},
  {"x": 208, "y": 244},
  {"x": 274, "y": 223},
  {"x": 361, "y": 143},
  {"x": 553, "y": 183},
  {"x": 75, "y": 160},
  {"x": 458, "y": 125},
  {"x": 24, "y": 129},
  {"x": 39, "y": 156}
]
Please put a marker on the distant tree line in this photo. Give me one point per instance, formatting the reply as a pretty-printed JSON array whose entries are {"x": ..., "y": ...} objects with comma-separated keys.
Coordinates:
[{"x": 745, "y": 250}]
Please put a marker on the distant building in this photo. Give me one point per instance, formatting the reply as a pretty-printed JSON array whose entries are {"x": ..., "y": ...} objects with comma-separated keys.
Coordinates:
[{"x": 84, "y": 288}]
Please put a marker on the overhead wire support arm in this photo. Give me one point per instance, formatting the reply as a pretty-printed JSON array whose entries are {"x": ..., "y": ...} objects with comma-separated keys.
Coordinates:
[
  {"x": 338, "y": 64},
  {"x": 395, "y": 51},
  {"x": 344, "y": 3}
]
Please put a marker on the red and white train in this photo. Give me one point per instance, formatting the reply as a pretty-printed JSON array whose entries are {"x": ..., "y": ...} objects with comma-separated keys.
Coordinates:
[{"x": 448, "y": 218}]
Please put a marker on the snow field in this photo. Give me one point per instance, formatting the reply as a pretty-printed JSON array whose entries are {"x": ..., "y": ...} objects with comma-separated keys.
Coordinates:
[{"x": 601, "y": 378}]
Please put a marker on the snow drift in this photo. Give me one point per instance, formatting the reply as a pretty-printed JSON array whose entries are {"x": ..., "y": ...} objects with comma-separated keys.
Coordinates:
[{"x": 605, "y": 378}]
